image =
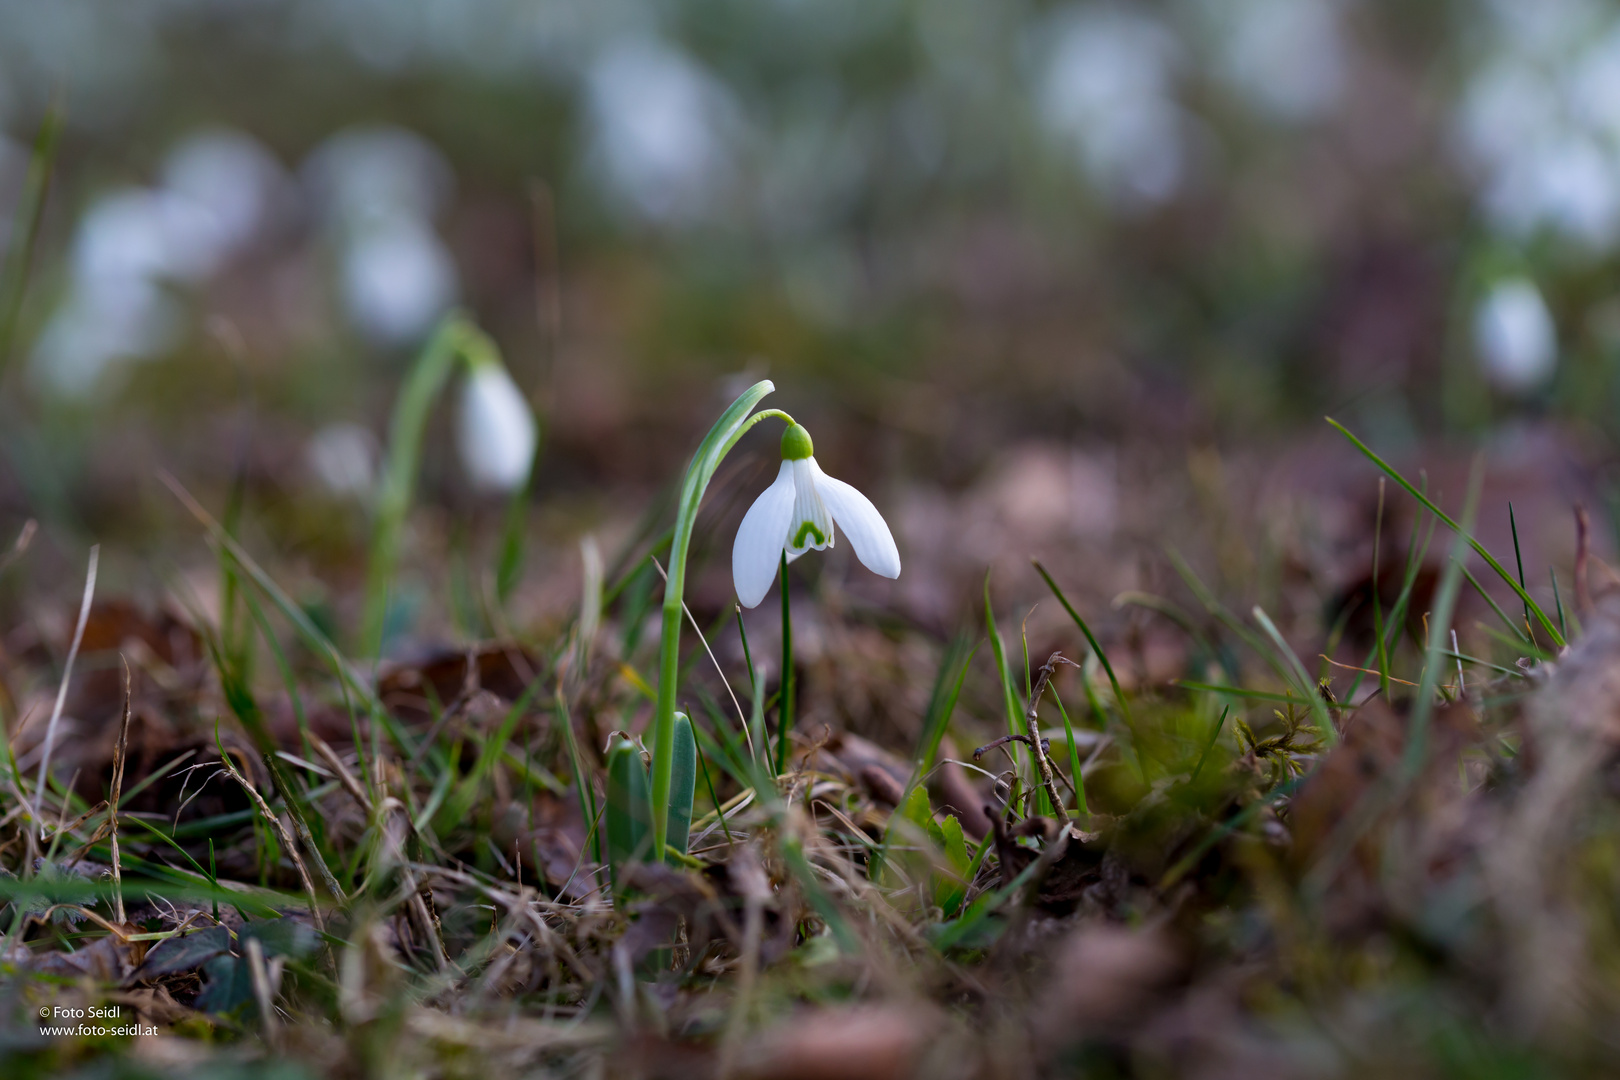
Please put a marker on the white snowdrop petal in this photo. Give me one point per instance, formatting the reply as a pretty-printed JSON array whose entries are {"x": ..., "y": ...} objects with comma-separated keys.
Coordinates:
[
  {"x": 497, "y": 432},
  {"x": 758, "y": 547},
  {"x": 867, "y": 531},
  {"x": 811, "y": 526}
]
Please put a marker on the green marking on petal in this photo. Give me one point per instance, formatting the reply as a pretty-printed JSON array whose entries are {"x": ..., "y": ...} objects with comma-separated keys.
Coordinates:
[{"x": 808, "y": 528}]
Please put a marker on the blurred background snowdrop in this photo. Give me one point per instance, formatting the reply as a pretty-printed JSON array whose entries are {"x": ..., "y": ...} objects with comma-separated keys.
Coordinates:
[
  {"x": 1539, "y": 121},
  {"x": 1285, "y": 58},
  {"x": 343, "y": 457},
  {"x": 1107, "y": 92},
  {"x": 377, "y": 191},
  {"x": 1515, "y": 336},
  {"x": 662, "y": 130},
  {"x": 1248, "y": 211},
  {"x": 496, "y": 432},
  {"x": 136, "y": 247}
]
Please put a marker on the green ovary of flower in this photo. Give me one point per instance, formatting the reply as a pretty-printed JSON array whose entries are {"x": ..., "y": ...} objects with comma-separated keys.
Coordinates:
[{"x": 796, "y": 446}]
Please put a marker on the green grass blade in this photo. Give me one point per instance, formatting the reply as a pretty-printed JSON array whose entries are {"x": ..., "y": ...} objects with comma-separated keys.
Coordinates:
[
  {"x": 1558, "y": 602},
  {"x": 1312, "y": 697},
  {"x": 1518, "y": 559},
  {"x": 1517, "y": 630},
  {"x": 461, "y": 802},
  {"x": 942, "y": 701},
  {"x": 1009, "y": 698},
  {"x": 1074, "y": 757},
  {"x": 1102, "y": 658},
  {"x": 1214, "y": 735},
  {"x": 1530, "y": 605}
]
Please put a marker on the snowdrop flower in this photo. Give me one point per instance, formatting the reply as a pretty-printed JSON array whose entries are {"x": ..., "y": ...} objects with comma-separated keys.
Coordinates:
[
  {"x": 797, "y": 513},
  {"x": 1515, "y": 336},
  {"x": 497, "y": 430},
  {"x": 398, "y": 280},
  {"x": 343, "y": 458}
]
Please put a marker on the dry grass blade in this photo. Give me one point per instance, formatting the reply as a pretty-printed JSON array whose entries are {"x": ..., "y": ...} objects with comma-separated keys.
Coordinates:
[
  {"x": 282, "y": 834},
  {"x": 61, "y": 695},
  {"x": 120, "y": 753}
]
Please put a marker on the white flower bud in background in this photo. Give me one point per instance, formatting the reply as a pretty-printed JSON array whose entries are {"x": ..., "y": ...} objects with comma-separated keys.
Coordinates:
[
  {"x": 1514, "y": 336},
  {"x": 398, "y": 280},
  {"x": 343, "y": 458},
  {"x": 497, "y": 430}
]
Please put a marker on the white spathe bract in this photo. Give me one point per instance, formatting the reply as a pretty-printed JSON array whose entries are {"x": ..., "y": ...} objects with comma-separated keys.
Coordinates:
[
  {"x": 497, "y": 430},
  {"x": 798, "y": 513},
  {"x": 1515, "y": 336}
]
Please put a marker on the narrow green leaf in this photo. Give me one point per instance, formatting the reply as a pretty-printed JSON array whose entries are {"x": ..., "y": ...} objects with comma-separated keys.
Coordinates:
[
  {"x": 629, "y": 832},
  {"x": 683, "y": 786},
  {"x": 1530, "y": 605}
]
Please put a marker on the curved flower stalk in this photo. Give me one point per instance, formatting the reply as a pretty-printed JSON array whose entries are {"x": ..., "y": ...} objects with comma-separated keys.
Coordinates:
[
  {"x": 800, "y": 512},
  {"x": 506, "y": 433},
  {"x": 732, "y": 425}
]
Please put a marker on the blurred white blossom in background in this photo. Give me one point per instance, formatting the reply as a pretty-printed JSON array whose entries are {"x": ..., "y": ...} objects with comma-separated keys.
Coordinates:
[
  {"x": 230, "y": 184},
  {"x": 1538, "y": 121},
  {"x": 377, "y": 191},
  {"x": 1514, "y": 336},
  {"x": 660, "y": 130},
  {"x": 343, "y": 458},
  {"x": 496, "y": 432},
  {"x": 1106, "y": 91},
  {"x": 1285, "y": 58},
  {"x": 134, "y": 249}
]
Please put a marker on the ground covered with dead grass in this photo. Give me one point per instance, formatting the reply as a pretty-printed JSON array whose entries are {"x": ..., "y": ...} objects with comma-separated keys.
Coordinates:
[{"x": 1318, "y": 836}]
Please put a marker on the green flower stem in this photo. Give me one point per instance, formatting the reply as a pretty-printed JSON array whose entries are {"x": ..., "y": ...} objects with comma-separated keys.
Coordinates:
[
  {"x": 455, "y": 339},
  {"x": 733, "y": 424},
  {"x": 784, "y": 706}
]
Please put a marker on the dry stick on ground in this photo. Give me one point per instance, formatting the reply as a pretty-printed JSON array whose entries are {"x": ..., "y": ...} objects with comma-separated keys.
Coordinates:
[
  {"x": 1033, "y": 724},
  {"x": 281, "y": 831},
  {"x": 345, "y": 777},
  {"x": 120, "y": 751},
  {"x": 61, "y": 698},
  {"x": 1038, "y": 746}
]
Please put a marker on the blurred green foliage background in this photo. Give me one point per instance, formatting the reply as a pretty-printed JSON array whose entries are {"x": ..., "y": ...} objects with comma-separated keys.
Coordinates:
[{"x": 939, "y": 225}]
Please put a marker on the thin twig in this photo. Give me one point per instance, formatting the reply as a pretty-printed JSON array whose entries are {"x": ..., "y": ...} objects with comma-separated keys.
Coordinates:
[
  {"x": 345, "y": 777},
  {"x": 62, "y": 689},
  {"x": 725, "y": 681},
  {"x": 1033, "y": 723}
]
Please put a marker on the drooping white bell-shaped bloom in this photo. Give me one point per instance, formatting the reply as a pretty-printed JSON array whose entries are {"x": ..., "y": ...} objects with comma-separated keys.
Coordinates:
[
  {"x": 799, "y": 513},
  {"x": 1515, "y": 336},
  {"x": 497, "y": 430}
]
